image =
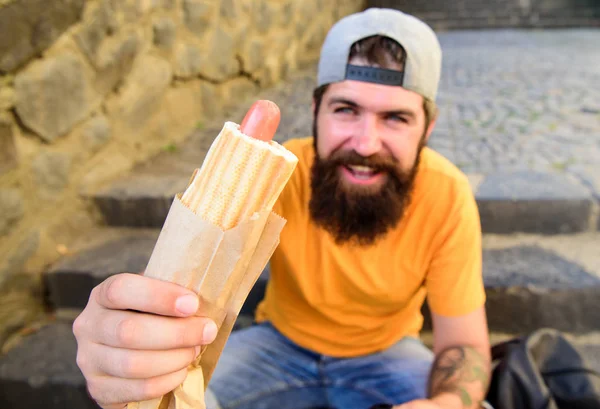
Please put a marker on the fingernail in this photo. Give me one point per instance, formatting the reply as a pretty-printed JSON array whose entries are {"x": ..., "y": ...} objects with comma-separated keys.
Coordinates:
[
  {"x": 210, "y": 332},
  {"x": 187, "y": 304}
]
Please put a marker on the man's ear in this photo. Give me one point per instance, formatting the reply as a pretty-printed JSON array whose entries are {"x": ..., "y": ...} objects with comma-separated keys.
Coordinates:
[{"x": 430, "y": 127}]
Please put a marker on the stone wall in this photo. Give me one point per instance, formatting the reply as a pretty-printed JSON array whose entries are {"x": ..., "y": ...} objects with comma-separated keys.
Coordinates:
[
  {"x": 89, "y": 88},
  {"x": 475, "y": 14}
]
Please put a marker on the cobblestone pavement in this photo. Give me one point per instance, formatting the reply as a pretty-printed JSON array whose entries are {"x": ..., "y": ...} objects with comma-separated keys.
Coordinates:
[{"x": 509, "y": 100}]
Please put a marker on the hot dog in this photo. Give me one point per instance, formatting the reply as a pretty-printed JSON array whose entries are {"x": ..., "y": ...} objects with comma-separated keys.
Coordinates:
[
  {"x": 262, "y": 120},
  {"x": 244, "y": 170}
]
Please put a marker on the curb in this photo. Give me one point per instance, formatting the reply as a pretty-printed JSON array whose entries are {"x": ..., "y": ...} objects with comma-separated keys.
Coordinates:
[{"x": 534, "y": 202}]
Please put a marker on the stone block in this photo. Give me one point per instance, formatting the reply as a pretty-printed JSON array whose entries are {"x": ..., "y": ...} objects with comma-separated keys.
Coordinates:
[
  {"x": 229, "y": 10},
  {"x": 11, "y": 209},
  {"x": 532, "y": 202},
  {"x": 54, "y": 94},
  {"x": 8, "y": 151},
  {"x": 147, "y": 6},
  {"x": 263, "y": 16},
  {"x": 220, "y": 60},
  {"x": 18, "y": 309},
  {"x": 253, "y": 55},
  {"x": 143, "y": 93},
  {"x": 72, "y": 279},
  {"x": 198, "y": 16},
  {"x": 30, "y": 26},
  {"x": 238, "y": 89},
  {"x": 96, "y": 132},
  {"x": 523, "y": 309},
  {"x": 286, "y": 14},
  {"x": 211, "y": 101},
  {"x": 42, "y": 373},
  {"x": 51, "y": 173},
  {"x": 528, "y": 287},
  {"x": 188, "y": 60},
  {"x": 533, "y": 266},
  {"x": 182, "y": 110},
  {"x": 18, "y": 254},
  {"x": 141, "y": 201},
  {"x": 7, "y": 98},
  {"x": 98, "y": 21},
  {"x": 115, "y": 60},
  {"x": 164, "y": 32}
]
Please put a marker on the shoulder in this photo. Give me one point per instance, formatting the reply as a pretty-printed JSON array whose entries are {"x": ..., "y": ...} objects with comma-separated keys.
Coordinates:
[
  {"x": 437, "y": 173},
  {"x": 304, "y": 151},
  {"x": 301, "y": 147},
  {"x": 297, "y": 190},
  {"x": 442, "y": 190}
]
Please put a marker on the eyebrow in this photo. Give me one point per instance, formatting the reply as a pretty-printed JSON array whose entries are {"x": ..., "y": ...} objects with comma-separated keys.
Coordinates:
[{"x": 353, "y": 104}]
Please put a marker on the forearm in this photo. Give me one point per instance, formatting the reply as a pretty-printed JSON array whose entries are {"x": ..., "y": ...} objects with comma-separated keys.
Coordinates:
[{"x": 459, "y": 377}]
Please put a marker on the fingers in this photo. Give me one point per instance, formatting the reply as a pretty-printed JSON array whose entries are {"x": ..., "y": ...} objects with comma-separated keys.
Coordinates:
[
  {"x": 137, "y": 364},
  {"x": 139, "y": 293},
  {"x": 134, "y": 330},
  {"x": 113, "y": 392},
  {"x": 262, "y": 120}
]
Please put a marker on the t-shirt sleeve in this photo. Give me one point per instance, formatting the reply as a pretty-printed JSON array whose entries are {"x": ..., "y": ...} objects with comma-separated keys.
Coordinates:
[{"x": 454, "y": 281}]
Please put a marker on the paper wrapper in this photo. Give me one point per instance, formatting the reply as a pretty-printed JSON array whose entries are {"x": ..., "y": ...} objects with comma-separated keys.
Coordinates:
[{"x": 221, "y": 267}]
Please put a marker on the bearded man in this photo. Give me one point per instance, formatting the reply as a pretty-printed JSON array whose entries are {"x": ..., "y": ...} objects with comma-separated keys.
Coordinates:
[{"x": 376, "y": 222}]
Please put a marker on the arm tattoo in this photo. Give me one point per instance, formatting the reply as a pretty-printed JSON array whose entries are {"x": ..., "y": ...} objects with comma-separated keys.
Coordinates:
[{"x": 462, "y": 371}]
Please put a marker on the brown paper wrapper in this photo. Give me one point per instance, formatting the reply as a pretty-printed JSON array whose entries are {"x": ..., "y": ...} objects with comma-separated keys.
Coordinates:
[{"x": 221, "y": 267}]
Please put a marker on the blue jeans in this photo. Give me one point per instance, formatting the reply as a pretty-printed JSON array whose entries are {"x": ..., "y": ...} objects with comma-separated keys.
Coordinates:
[{"x": 262, "y": 369}]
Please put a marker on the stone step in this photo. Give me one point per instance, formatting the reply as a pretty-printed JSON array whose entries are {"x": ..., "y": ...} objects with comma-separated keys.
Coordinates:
[
  {"x": 104, "y": 252},
  {"x": 478, "y": 14},
  {"x": 500, "y": 21},
  {"x": 531, "y": 280},
  {"x": 41, "y": 372},
  {"x": 509, "y": 201},
  {"x": 537, "y": 281}
]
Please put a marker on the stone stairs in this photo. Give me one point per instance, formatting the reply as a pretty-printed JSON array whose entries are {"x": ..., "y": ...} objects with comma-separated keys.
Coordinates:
[
  {"x": 484, "y": 14},
  {"x": 541, "y": 264}
]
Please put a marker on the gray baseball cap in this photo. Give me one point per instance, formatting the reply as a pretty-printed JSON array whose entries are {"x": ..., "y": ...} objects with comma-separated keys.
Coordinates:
[{"x": 423, "y": 63}]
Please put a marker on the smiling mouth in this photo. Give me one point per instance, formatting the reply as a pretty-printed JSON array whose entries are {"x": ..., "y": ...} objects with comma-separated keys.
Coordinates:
[{"x": 362, "y": 174}]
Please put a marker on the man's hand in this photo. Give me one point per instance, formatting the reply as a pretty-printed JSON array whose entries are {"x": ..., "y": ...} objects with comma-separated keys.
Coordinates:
[
  {"x": 460, "y": 374},
  {"x": 439, "y": 402},
  {"x": 419, "y": 404},
  {"x": 136, "y": 338}
]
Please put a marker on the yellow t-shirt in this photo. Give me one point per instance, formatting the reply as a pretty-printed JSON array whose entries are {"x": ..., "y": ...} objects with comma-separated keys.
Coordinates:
[{"x": 348, "y": 300}]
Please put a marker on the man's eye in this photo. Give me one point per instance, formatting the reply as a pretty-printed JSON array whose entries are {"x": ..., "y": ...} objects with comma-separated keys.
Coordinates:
[
  {"x": 397, "y": 118},
  {"x": 344, "y": 110}
]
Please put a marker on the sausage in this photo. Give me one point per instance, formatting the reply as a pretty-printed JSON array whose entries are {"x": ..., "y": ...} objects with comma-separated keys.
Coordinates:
[{"x": 261, "y": 120}]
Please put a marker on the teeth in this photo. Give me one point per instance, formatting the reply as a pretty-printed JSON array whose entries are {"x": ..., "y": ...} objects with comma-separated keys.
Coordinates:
[{"x": 364, "y": 169}]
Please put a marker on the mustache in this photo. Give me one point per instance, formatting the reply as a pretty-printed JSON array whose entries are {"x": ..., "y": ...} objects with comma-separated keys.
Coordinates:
[{"x": 378, "y": 162}]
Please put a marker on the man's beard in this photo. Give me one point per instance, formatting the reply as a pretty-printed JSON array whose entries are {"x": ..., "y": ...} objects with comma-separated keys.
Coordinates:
[{"x": 359, "y": 214}]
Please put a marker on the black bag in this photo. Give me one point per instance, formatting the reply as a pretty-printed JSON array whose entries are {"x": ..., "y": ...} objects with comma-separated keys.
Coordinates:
[{"x": 542, "y": 371}]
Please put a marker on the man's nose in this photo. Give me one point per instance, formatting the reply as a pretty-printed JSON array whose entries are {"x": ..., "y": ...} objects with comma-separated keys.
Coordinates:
[{"x": 367, "y": 140}]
